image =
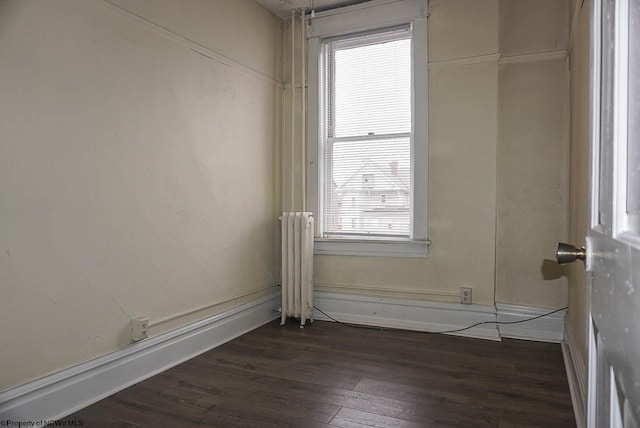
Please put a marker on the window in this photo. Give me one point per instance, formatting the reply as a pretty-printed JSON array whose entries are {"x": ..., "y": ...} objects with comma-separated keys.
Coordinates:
[
  {"x": 349, "y": 168},
  {"x": 367, "y": 129}
]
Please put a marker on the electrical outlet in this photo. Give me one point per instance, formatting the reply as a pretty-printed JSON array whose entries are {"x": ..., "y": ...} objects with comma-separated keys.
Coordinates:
[
  {"x": 465, "y": 295},
  {"x": 139, "y": 328}
]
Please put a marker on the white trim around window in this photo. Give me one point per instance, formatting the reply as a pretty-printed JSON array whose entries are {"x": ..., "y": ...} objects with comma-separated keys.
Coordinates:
[{"x": 372, "y": 15}]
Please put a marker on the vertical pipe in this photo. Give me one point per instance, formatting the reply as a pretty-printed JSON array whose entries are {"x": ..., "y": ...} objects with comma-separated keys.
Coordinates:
[
  {"x": 293, "y": 110},
  {"x": 303, "y": 120},
  {"x": 285, "y": 268},
  {"x": 283, "y": 148},
  {"x": 283, "y": 126}
]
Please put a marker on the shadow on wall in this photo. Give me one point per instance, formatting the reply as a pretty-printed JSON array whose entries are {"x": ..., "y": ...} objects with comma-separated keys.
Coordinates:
[{"x": 550, "y": 269}]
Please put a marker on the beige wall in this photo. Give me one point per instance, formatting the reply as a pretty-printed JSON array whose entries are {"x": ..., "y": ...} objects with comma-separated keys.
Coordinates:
[
  {"x": 533, "y": 152},
  {"x": 462, "y": 29},
  {"x": 239, "y": 30},
  {"x": 579, "y": 188},
  {"x": 137, "y": 177},
  {"x": 498, "y": 158},
  {"x": 533, "y": 26}
]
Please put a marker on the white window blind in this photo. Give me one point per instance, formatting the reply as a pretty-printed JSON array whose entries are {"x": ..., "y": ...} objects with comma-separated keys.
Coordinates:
[{"x": 367, "y": 130}]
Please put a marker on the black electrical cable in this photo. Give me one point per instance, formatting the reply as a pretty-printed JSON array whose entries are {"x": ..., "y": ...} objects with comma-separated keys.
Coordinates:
[{"x": 445, "y": 331}]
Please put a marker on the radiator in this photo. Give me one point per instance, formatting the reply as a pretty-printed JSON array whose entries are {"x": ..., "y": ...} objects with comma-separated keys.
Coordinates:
[{"x": 297, "y": 266}]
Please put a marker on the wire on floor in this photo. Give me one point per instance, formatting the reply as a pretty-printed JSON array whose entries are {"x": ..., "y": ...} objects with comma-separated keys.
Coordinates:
[{"x": 445, "y": 331}]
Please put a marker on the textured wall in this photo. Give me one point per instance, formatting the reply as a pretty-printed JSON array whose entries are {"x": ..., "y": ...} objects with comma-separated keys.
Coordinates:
[
  {"x": 532, "y": 182},
  {"x": 533, "y": 152},
  {"x": 137, "y": 177},
  {"x": 532, "y": 26},
  {"x": 462, "y": 29}
]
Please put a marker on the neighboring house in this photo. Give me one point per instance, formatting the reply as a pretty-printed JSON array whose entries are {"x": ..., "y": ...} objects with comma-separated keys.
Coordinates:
[{"x": 375, "y": 199}]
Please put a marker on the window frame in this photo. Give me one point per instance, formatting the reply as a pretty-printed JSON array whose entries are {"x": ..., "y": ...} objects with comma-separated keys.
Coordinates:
[{"x": 371, "y": 16}]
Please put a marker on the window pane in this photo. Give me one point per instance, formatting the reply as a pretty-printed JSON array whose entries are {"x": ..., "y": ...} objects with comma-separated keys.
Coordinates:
[
  {"x": 372, "y": 92},
  {"x": 368, "y": 188},
  {"x": 367, "y": 152}
]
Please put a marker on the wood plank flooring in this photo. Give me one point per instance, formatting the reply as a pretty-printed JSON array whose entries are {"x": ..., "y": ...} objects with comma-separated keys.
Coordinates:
[{"x": 331, "y": 375}]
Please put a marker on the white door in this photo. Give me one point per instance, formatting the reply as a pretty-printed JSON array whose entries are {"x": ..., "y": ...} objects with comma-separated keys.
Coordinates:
[{"x": 613, "y": 245}]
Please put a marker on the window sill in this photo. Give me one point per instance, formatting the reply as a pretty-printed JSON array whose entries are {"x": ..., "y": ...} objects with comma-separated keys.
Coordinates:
[{"x": 370, "y": 248}]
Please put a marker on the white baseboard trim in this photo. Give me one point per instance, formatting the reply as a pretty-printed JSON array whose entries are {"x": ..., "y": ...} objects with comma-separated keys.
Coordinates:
[
  {"x": 576, "y": 375},
  {"x": 546, "y": 329},
  {"x": 60, "y": 394},
  {"x": 407, "y": 314}
]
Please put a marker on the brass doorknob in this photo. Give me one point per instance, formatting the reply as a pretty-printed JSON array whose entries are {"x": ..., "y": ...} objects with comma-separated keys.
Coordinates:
[{"x": 567, "y": 253}]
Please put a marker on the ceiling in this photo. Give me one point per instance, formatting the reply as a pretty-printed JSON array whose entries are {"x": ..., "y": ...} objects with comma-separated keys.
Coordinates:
[{"x": 283, "y": 8}]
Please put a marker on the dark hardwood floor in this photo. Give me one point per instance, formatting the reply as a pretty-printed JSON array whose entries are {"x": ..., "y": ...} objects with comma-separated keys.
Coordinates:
[{"x": 331, "y": 375}]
